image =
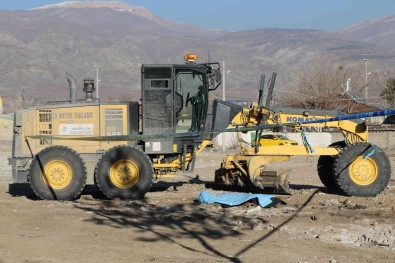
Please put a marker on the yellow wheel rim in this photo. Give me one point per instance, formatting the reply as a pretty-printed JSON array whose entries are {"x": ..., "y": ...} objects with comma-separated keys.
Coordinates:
[
  {"x": 363, "y": 171},
  {"x": 124, "y": 174},
  {"x": 57, "y": 174}
]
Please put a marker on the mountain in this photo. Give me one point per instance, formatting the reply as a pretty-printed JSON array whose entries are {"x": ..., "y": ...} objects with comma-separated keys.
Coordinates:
[
  {"x": 120, "y": 7},
  {"x": 38, "y": 47},
  {"x": 115, "y": 5},
  {"x": 380, "y": 31}
]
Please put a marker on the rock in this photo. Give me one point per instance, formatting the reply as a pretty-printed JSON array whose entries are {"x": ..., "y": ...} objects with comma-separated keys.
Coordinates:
[
  {"x": 343, "y": 231},
  {"x": 231, "y": 222},
  {"x": 253, "y": 210},
  {"x": 333, "y": 202},
  {"x": 87, "y": 197},
  {"x": 116, "y": 202},
  {"x": 112, "y": 203},
  {"x": 258, "y": 227},
  {"x": 169, "y": 207},
  {"x": 330, "y": 202},
  {"x": 314, "y": 218},
  {"x": 289, "y": 209},
  {"x": 347, "y": 201},
  {"x": 355, "y": 207}
]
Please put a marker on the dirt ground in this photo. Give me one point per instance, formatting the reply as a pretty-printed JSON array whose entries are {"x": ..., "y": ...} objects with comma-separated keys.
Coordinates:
[{"x": 169, "y": 225}]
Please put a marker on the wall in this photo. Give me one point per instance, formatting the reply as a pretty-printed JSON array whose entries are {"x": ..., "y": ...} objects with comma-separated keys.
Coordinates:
[{"x": 385, "y": 139}]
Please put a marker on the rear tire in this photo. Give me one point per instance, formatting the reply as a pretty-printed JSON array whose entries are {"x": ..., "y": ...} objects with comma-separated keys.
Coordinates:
[
  {"x": 57, "y": 173},
  {"x": 124, "y": 172},
  {"x": 325, "y": 167},
  {"x": 362, "y": 169}
]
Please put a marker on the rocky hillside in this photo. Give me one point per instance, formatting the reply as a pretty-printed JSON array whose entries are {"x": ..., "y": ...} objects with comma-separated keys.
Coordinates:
[
  {"x": 379, "y": 31},
  {"x": 37, "y": 48}
]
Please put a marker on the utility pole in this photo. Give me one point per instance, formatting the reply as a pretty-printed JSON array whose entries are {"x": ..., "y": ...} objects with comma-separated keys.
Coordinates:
[
  {"x": 97, "y": 81},
  {"x": 366, "y": 78},
  {"x": 223, "y": 80},
  {"x": 223, "y": 98}
]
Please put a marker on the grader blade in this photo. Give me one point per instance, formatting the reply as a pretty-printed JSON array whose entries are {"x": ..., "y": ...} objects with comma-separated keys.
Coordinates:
[{"x": 278, "y": 180}]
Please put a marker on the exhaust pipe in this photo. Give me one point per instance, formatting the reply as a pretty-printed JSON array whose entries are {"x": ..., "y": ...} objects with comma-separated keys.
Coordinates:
[{"x": 73, "y": 87}]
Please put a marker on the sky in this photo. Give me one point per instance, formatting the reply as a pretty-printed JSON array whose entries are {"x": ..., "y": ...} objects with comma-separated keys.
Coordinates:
[{"x": 237, "y": 15}]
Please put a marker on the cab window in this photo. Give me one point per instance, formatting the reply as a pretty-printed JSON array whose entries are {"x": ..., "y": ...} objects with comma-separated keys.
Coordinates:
[{"x": 191, "y": 90}]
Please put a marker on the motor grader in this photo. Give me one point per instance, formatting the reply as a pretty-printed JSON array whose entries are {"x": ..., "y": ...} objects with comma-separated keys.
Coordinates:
[
  {"x": 350, "y": 167},
  {"x": 121, "y": 147}
]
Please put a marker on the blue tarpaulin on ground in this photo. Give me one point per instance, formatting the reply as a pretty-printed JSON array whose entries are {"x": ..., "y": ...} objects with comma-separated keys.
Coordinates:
[{"x": 233, "y": 199}]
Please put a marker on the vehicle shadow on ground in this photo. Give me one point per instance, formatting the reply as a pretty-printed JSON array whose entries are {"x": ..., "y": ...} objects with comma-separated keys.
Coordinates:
[
  {"x": 180, "y": 224},
  {"x": 193, "y": 228},
  {"x": 267, "y": 190},
  {"x": 24, "y": 189},
  {"x": 175, "y": 223}
]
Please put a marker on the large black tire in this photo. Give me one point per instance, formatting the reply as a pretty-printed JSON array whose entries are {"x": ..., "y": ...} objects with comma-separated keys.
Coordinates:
[
  {"x": 325, "y": 167},
  {"x": 124, "y": 172},
  {"x": 57, "y": 173},
  {"x": 362, "y": 169}
]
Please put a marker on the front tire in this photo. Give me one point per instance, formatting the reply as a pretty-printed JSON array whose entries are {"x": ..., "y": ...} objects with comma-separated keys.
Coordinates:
[
  {"x": 362, "y": 169},
  {"x": 57, "y": 173},
  {"x": 124, "y": 172},
  {"x": 325, "y": 167}
]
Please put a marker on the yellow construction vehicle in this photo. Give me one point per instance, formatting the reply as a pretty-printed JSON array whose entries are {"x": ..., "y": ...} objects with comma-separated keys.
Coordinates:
[
  {"x": 121, "y": 147},
  {"x": 351, "y": 167}
]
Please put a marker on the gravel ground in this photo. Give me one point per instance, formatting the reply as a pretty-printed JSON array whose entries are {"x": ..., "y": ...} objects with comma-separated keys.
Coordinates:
[{"x": 169, "y": 225}]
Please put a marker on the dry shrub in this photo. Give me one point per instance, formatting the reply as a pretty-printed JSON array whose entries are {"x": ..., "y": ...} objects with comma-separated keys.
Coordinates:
[{"x": 322, "y": 86}]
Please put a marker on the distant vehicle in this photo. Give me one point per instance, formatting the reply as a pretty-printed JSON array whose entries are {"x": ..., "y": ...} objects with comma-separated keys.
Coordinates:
[{"x": 274, "y": 139}]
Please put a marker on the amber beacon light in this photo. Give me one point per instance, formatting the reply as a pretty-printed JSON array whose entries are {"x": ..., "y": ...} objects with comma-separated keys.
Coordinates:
[{"x": 190, "y": 57}]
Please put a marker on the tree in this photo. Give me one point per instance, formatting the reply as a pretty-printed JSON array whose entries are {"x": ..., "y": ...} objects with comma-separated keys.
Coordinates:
[
  {"x": 388, "y": 93},
  {"x": 322, "y": 86}
]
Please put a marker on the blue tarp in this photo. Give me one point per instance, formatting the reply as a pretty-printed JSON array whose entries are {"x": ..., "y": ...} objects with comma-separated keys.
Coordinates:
[{"x": 233, "y": 199}]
